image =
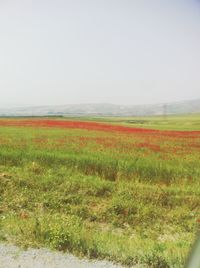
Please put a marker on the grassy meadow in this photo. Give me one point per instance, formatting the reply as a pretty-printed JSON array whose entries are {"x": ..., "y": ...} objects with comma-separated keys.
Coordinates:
[
  {"x": 172, "y": 122},
  {"x": 120, "y": 193}
]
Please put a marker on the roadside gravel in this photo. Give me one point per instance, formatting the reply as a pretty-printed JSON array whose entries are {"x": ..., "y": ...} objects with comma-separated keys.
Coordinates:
[{"x": 13, "y": 257}]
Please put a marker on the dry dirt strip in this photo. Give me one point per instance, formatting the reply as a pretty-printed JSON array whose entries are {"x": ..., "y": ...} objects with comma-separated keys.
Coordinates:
[{"x": 13, "y": 257}]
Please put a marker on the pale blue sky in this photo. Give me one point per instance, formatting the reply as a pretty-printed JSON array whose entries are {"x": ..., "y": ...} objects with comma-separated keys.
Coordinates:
[{"x": 83, "y": 51}]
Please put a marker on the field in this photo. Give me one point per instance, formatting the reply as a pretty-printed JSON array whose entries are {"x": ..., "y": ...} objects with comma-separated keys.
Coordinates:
[{"x": 107, "y": 189}]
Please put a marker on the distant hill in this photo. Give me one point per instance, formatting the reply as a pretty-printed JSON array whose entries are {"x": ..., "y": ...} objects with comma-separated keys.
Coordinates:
[{"x": 104, "y": 109}]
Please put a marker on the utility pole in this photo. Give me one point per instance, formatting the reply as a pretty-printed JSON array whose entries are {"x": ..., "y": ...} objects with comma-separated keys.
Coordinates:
[{"x": 164, "y": 110}]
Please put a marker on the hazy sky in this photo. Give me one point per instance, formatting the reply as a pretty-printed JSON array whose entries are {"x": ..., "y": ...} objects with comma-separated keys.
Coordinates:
[{"x": 83, "y": 51}]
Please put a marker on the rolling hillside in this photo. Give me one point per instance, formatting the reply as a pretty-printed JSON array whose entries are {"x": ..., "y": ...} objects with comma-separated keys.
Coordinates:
[{"x": 104, "y": 109}]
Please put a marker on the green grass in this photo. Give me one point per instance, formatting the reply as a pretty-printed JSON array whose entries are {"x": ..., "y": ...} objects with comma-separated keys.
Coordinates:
[
  {"x": 130, "y": 198},
  {"x": 172, "y": 122}
]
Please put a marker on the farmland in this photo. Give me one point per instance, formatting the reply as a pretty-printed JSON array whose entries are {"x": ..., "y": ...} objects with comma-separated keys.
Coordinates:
[{"x": 102, "y": 189}]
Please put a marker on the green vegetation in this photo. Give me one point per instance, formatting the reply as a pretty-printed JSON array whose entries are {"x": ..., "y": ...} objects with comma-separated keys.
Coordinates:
[
  {"x": 127, "y": 197},
  {"x": 172, "y": 122}
]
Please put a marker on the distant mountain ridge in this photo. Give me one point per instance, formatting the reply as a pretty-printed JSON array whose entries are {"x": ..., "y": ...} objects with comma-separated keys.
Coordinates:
[{"x": 104, "y": 109}]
